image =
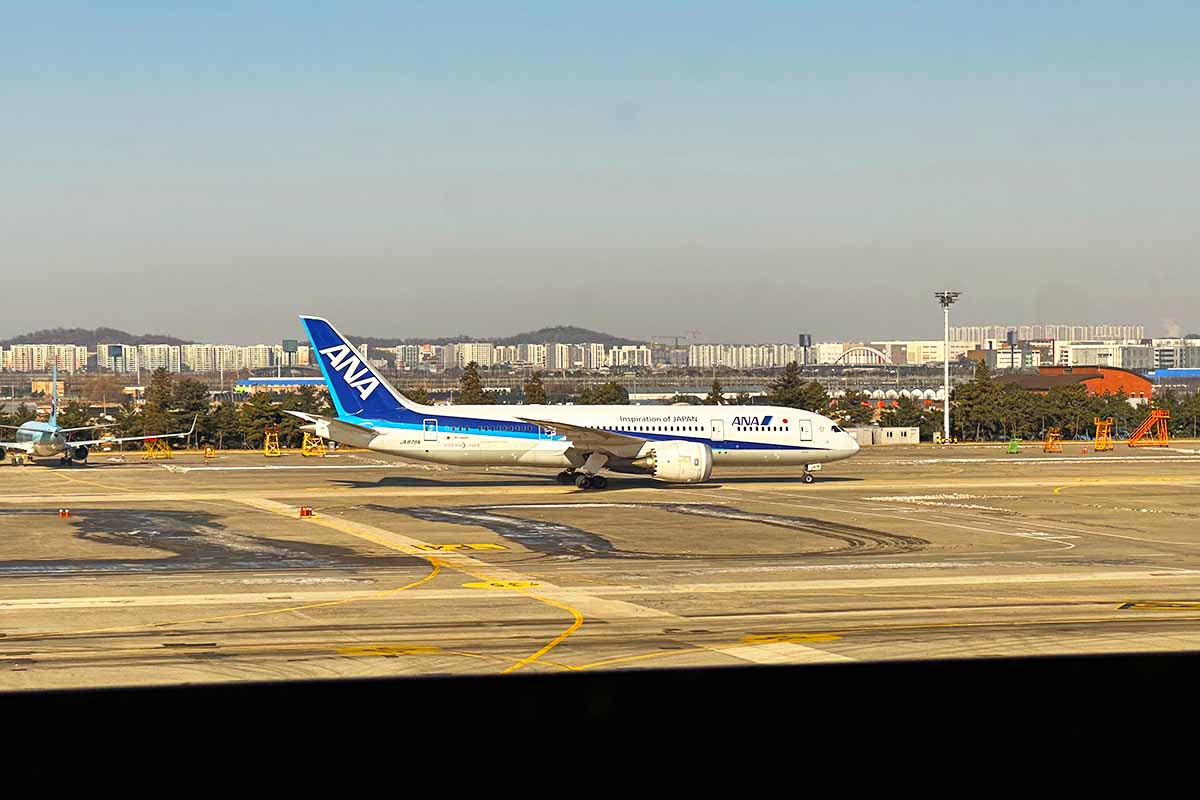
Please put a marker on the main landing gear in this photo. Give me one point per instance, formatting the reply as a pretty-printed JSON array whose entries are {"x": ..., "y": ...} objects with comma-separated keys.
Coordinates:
[{"x": 582, "y": 479}]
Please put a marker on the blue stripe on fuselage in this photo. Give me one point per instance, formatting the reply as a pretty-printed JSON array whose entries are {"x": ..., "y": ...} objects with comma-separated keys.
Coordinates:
[{"x": 526, "y": 431}]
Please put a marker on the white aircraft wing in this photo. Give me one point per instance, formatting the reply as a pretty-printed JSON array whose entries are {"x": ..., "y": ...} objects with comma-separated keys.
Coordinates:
[
  {"x": 86, "y": 428},
  {"x": 24, "y": 447},
  {"x": 331, "y": 421},
  {"x": 584, "y": 437},
  {"x": 123, "y": 439}
]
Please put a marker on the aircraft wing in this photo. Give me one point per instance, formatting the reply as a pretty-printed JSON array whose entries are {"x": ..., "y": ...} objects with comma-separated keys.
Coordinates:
[
  {"x": 22, "y": 446},
  {"x": 316, "y": 418},
  {"x": 86, "y": 428},
  {"x": 123, "y": 439},
  {"x": 585, "y": 437},
  {"x": 337, "y": 430}
]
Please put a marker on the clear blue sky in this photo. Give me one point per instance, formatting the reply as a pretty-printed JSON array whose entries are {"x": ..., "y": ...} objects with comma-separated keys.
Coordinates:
[{"x": 749, "y": 170}]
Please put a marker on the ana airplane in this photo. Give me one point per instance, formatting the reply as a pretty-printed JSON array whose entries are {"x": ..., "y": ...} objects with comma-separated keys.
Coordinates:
[
  {"x": 48, "y": 440},
  {"x": 680, "y": 444}
]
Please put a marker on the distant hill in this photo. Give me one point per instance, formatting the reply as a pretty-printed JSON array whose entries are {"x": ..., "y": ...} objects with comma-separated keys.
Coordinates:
[
  {"x": 90, "y": 338},
  {"x": 566, "y": 334},
  {"x": 560, "y": 334},
  {"x": 385, "y": 341}
]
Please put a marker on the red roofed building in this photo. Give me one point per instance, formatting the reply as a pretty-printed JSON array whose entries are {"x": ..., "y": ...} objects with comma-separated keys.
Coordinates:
[{"x": 1097, "y": 380}]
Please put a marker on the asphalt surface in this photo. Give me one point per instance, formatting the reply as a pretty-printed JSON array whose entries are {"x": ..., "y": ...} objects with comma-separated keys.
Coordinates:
[{"x": 180, "y": 572}]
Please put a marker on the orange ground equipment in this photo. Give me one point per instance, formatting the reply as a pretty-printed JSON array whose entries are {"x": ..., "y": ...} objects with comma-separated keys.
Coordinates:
[
  {"x": 313, "y": 446},
  {"x": 157, "y": 448},
  {"x": 1153, "y": 430},
  {"x": 1053, "y": 443},
  {"x": 271, "y": 442},
  {"x": 1104, "y": 440}
]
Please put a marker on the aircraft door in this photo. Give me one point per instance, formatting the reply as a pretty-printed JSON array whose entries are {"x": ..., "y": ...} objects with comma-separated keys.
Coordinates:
[
  {"x": 431, "y": 430},
  {"x": 718, "y": 430},
  {"x": 805, "y": 428}
]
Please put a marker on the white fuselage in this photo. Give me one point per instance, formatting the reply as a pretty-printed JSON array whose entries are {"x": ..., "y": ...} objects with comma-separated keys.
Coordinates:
[
  {"x": 497, "y": 435},
  {"x": 42, "y": 440}
]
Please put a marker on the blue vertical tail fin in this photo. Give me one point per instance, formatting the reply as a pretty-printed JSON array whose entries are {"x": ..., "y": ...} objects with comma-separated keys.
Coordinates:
[
  {"x": 357, "y": 389},
  {"x": 54, "y": 394}
]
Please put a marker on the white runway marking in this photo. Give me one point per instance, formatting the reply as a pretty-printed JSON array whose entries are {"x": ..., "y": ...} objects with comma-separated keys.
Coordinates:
[
  {"x": 1157, "y": 459},
  {"x": 783, "y": 653},
  {"x": 595, "y": 597}
]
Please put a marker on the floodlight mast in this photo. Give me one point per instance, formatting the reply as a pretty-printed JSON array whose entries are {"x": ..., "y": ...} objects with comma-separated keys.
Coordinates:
[{"x": 946, "y": 299}]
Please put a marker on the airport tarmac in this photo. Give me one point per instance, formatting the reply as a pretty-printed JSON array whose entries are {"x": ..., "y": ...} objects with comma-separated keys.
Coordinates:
[{"x": 180, "y": 572}]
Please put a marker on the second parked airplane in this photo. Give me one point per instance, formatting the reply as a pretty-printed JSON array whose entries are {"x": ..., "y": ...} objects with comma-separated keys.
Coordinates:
[{"x": 679, "y": 444}]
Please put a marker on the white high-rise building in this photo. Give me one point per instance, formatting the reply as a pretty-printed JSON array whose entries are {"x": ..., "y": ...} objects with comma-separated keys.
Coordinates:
[
  {"x": 558, "y": 356},
  {"x": 594, "y": 356},
  {"x": 629, "y": 355},
  {"x": 463, "y": 353},
  {"x": 407, "y": 355},
  {"x": 532, "y": 354},
  {"x": 229, "y": 357},
  {"x": 117, "y": 358},
  {"x": 259, "y": 356},
  {"x": 198, "y": 357},
  {"x": 504, "y": 354},
  {"x": 155, "y": 356},
  {"x": 42, "y": 357},
  {"x": 1076, "y": 333}
]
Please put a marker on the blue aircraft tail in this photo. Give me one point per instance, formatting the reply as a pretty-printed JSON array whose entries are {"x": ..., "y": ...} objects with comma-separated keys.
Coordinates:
[
  {"x": 54, "y": 394},
  {"x": 357, "y": 389}
]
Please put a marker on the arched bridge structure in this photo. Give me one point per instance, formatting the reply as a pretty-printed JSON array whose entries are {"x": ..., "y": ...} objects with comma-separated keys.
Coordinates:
[{"x": 863, "y": 355}]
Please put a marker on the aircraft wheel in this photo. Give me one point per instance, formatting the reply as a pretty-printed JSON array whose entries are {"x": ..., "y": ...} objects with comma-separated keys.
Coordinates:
[
  {"x": 599, "y": 482},
  {"x": 808, "y": 477},
  {"x": 583, "y": 482},
  {"x": 566, "y": 476}
]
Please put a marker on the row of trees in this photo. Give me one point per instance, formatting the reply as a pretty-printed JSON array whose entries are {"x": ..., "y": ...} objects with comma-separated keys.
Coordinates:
[
  {"x": 171, "y": 404},
  {"x": 790, "y": 389},
  {"x": 984, "y": 409}
]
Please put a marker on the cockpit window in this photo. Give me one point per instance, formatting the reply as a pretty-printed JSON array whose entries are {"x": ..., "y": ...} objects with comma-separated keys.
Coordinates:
[{"x": 836, "y": 429}]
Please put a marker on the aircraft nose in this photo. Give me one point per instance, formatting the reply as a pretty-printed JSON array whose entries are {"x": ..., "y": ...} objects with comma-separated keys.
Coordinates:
[{"x": 853, "y": 446}]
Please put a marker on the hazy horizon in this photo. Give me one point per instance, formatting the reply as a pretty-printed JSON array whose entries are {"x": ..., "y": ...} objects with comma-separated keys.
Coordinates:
[{"x": 750, "y": 172}]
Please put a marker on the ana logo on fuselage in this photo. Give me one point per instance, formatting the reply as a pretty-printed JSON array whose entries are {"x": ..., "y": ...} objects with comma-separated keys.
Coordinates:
[
  {"x": 750, "y": 422},
  {"x": 344, "y": 361}
]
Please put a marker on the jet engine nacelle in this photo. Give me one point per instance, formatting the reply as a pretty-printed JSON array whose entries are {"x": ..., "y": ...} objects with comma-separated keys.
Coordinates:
[
  {"x": 677, "y": 462},
  {"x": 79, "y": 453}
]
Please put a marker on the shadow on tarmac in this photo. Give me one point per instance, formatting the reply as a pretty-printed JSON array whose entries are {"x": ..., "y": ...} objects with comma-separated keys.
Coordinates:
[{"x": 615, "y": 482}]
